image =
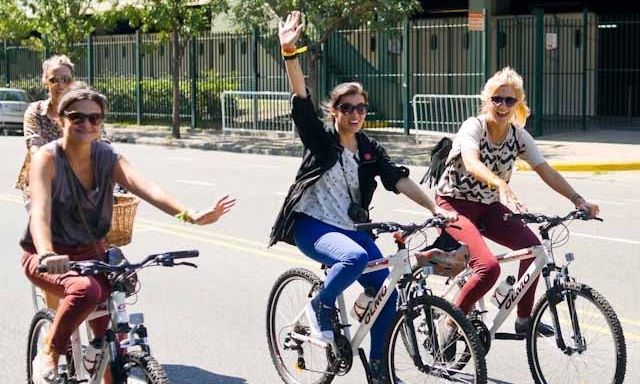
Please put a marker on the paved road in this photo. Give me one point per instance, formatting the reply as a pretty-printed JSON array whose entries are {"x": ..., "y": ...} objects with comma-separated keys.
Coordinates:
[{"x": 207, "y": 325}]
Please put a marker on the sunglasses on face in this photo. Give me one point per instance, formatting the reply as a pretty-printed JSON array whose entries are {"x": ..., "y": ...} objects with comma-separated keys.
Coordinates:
[
  {"x": 508, "y": 101},
  {"x": 61, "y": 80},
  {"x": 79, "y": 117},
  {"x": 348, "y": 108}
]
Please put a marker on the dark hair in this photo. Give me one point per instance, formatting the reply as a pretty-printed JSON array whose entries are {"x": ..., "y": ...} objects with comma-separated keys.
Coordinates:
[{"x": 82, "y": 92}]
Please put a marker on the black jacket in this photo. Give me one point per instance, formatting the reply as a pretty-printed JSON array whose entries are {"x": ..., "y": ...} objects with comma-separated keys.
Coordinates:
[{"x": 321, "y": 150}]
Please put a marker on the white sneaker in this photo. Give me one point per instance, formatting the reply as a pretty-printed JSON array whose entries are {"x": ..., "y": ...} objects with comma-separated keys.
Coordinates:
[
  {"x": 43, "y": 371},
  {"x": 319, "y": 316}
]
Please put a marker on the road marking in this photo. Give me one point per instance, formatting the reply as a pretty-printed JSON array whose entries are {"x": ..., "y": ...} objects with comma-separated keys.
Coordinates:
[
  {"x": 418, "y": 213},
  {"x": 280, "y": 193},
  {"x": 180, "y": 159},
  {"x": 605, "y": 202},
  {"x": 263, "y": 166},
  {"x": 193, "y": 182},
  {"x": 632, "y": 201},
  {"x": 635, "y": 242}
]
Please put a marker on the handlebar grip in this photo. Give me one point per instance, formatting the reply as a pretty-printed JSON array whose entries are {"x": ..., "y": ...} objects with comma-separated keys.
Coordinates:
[
  {"x": 183, "y": 254},
  {"x": 42, "y": 268},
  {"x": 367, "y": 226}
]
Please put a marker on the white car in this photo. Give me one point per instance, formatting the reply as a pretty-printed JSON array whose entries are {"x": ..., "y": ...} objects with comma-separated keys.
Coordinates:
[{"x": 13, "y": 103}]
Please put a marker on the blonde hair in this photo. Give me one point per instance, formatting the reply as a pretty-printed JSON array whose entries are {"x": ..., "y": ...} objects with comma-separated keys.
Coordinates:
[
  {"x": 510, "y": 78},
  {"x": 336, "y": 94},
  {"x": 53, "y": 62}
]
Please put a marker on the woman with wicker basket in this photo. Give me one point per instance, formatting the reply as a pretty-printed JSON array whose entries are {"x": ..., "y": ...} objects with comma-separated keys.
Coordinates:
[{"x": 72, "y": 181}]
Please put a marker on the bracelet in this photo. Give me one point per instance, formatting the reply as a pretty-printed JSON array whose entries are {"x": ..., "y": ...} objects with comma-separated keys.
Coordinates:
[
  {"x": 290, "y": 55},
  {"x": 46, "y": 255},
  {"x": 184, "y": 216},
  {"x": 491, "y": 184},
  {"x": 575, "y": 197}
]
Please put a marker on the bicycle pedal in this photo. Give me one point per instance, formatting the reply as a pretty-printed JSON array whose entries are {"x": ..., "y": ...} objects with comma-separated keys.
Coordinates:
[{"x": 508, "y": 336}]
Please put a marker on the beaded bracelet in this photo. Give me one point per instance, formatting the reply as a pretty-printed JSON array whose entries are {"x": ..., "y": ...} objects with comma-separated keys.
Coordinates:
[{"x": 184, "y": 216}]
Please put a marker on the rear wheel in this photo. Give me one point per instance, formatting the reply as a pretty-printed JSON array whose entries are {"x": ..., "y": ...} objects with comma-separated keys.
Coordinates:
[
  {"x": 415, "y": 355},
  {"x": 297, "y": 362},
  {"x": 595, "y": 349}
]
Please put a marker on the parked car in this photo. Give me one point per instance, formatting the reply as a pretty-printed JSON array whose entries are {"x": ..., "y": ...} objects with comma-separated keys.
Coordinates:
[{"x": 13, "y": 103}]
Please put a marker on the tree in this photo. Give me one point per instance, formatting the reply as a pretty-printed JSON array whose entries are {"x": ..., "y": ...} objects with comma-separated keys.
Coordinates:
[
  {"x": 177, "y": 20},
  {"x": 14, "y": 24},
  {"x": 323, "y": 17},
  {"x": 61, "y": 23}
]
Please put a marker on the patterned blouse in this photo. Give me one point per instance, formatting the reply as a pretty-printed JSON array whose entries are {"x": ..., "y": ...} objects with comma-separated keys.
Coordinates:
[
  {"x": 458, "y": 183},
  {"x": 39, "y": 130}
]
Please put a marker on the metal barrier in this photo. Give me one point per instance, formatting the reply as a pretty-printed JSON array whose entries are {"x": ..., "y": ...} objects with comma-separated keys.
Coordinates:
[
  {"x": 443, "y": 113},
  {"x": 256, "y": 111}
]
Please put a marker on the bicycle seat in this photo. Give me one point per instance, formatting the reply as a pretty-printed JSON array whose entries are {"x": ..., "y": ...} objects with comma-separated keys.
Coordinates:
[{"x": 447, "y": 256}]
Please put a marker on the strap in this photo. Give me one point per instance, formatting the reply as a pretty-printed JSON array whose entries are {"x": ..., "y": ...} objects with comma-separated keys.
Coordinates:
[{"x": 344, "y": 173}]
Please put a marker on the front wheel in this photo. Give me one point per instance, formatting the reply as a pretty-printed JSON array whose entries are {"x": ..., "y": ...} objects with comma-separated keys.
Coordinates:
[
  {"x": 40, "y": 326},
  {"x": 142, "y": 368},
  {"x": 297, "y": 362},
  {"x": 589, "y": 345},
  {"x": 415, "y": 353}
]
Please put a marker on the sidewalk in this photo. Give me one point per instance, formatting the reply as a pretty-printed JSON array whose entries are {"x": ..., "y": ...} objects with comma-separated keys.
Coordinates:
[{"x": 592, "y": 150}]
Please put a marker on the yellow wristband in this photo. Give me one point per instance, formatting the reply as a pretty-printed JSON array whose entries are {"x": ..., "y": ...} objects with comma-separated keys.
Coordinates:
[
  {"x": 294, "y": 53},
  {"x": 184, "y": 216},
  {"x": 491, "y": 184}
]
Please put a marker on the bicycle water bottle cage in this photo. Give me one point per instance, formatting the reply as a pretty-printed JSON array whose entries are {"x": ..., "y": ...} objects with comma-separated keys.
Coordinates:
[{"x": 447, "y": 256}]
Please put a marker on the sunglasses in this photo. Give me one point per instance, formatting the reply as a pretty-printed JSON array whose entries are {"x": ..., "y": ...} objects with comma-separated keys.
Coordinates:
[
  {"x": 508, "y": 101},
  {"x": 79, "y": 117},
  {"x": 348, "y": 108},
  {"x": 61, "y": 80}
]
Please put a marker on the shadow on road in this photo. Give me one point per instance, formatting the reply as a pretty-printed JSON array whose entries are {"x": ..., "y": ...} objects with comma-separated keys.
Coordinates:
[
  {"x": 496, "y": 381},
  {"x": 184, "y": 374}
]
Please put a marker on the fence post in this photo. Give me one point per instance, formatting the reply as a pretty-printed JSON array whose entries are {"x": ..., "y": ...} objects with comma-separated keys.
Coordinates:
[
  {"x": 585, "y": 45},
  {"x": 405, "y": 75},
  {"x": 138, "y": 77},
  {"x": 538, "y": 108},
  {"x": 486, "y": 46},
  {"x": 7, "y": 77},
  {"x": 256, "y": 75},
  {"x": 90, "y": 59},
  {"x": 194, "y": 85}
]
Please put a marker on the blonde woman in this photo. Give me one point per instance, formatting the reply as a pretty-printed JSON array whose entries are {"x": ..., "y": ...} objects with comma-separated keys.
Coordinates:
[{"x": 475, "y": 183}]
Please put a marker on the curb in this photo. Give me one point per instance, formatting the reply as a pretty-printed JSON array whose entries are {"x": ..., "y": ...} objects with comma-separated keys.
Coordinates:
[{"x": 586, "y": 167}]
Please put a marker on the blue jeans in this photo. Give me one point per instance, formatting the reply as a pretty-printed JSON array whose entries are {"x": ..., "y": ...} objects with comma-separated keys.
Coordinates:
[{"x": 347, "y": 254}]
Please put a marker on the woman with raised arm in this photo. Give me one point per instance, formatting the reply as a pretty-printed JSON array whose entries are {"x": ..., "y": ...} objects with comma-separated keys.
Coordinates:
[
  {"x": 332, "y": 192},
  {"x": 72, "y": 182},
  {"x": 475, "y": 184}
]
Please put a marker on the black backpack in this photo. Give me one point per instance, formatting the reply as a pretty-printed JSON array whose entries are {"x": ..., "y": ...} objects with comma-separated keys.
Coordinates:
[{"x": 439, "y": 154}]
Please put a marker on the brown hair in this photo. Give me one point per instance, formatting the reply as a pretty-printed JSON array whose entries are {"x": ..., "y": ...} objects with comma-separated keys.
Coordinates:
[
  {"x": 55, "y": 61},
  {"x": 82, "y": 92},
  {"x": 336, "y": 94},
  {"x": 510, "y": 78}
]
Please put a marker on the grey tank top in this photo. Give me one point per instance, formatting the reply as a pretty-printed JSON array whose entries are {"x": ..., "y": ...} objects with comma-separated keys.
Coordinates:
[{"x": 67, "y": 227}]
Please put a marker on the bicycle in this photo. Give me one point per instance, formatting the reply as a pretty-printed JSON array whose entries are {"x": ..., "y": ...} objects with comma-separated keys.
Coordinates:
[
  {"x": 125, "y": 350},
  {"x": 413, "y": 350},
  {"x": 565, "y": 305}
]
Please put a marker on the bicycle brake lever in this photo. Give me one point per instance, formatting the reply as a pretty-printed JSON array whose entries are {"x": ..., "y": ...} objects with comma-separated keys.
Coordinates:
[{"x": 185, "y": 263}]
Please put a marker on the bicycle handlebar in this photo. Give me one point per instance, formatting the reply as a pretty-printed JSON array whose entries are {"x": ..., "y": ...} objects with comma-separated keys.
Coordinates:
[
  {"x": 540, "y": 218},
  {"x": 389, "y": 226},
  {"x": 94, "y": 267}
]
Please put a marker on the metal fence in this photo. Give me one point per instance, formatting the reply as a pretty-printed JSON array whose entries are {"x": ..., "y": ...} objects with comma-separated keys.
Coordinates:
[
  {"x": 443, "y": 113},
  {"x": 256, "y": 111},
  {"x": 577, "y": 68}
]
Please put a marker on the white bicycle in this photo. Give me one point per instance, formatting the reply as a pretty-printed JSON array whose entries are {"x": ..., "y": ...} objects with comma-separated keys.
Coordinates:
[
  {"x": 124, "y": 350},
  {"x": 414, "y": 353},
  {"x": 588, "y": 345}
]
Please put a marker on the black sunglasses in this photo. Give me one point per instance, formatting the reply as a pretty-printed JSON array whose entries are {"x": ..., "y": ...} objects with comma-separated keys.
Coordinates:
[
  {"x": 348, "y": 108},
  {"x": 62, "y": 80},
  {"x": 508, "y": 101},
  {"x": 79, "y": 117}
]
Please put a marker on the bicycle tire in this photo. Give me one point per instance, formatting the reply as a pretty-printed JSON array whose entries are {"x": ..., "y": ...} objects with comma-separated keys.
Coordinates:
[
  {"x": 41, "y": 319},
  {"x": 538, "y": 346},
  {"x": 308, "y": 283},
  {"x": 149, "y": 369},
  {"x": 437, "y": 365}
]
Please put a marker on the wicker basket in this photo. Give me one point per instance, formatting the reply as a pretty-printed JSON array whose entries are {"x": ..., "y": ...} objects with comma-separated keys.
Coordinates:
[{"x": 124, "y": 213}]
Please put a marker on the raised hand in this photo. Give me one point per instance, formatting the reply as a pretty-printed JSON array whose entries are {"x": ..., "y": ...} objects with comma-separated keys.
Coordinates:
[
  {"x": 289, "y": 31},
  {"x": 212, "y": 215}
]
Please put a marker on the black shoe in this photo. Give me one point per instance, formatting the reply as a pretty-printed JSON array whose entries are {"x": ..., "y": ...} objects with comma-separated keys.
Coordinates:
[{"x": 544, "y": 330}]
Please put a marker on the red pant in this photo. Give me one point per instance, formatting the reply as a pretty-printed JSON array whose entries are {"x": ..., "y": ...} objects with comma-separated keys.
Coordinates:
[
  {"x": 79, "y": 294},
  {"x": 512, "y": 234}
]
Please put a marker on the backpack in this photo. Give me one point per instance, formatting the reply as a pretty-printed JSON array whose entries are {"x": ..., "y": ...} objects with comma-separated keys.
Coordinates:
[{"x": 439, "y": 154}]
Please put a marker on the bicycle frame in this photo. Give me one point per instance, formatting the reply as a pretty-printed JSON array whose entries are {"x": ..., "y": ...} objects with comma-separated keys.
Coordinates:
[
  {"x": 543, "y": 257},
  {"x": 398, "y": 265}
]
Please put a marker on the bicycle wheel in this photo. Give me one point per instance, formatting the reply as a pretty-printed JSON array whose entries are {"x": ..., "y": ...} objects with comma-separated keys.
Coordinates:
[
  {"x": 595, "y": 348},
  {"x": 40, "y": 325},
  {"x": 296, "y": 362},
  {"x": 143, "y": 368},
  {"x": 413, "y": 354}
]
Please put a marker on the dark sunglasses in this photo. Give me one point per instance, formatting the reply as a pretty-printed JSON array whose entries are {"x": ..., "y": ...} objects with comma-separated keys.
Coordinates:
[
  {"x": 79, "y": 117},
  {"x": 508, "y": 101},
  {"x": 61, "y": 80},
  {"x": 348, "y": 108}
]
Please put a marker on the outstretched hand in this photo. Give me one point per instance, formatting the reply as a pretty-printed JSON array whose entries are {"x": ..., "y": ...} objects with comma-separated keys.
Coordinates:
[
  {"x": 289, "y": 31},
  {"x": 450, "y": 216},
  {"x": 212, "y": 215}
]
